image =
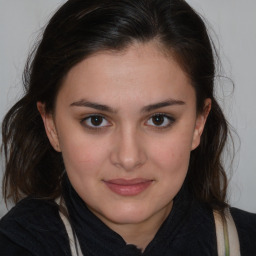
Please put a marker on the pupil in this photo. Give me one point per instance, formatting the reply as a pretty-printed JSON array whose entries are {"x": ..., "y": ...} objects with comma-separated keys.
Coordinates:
[
  {"x": 158, "y": 120},
  {"x": 96, "y": 120}
]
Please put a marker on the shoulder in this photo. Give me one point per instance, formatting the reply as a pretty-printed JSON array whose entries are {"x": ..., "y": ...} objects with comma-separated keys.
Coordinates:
[
  {"x": 244, "y": 218},
  {"x": 28, "y": 207},
  {"x": 10, "y": 248},
  {"x": 35, "y": 225},
  {"x": 30, "y": 213},
  {"x": 246, "y": 227}
]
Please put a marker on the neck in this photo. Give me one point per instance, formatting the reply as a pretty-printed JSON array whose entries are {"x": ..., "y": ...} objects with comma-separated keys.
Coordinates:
[{"x": 139, "y": 234}]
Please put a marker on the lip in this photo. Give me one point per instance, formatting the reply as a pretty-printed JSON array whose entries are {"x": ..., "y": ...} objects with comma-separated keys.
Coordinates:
[{"x": 128, "y": 187}]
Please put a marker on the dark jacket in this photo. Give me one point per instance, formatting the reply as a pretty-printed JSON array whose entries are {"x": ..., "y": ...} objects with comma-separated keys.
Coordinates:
[{"x": 33, "y": 227}]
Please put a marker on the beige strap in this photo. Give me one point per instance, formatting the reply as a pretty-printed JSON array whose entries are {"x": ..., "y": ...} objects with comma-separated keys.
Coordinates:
[
  {"x": 227, "y": 237},
  {"x": 73, "y": 241}
]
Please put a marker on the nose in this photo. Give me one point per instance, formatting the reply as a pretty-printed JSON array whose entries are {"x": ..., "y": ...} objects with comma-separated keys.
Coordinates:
[{"x": 128, "y": 150}]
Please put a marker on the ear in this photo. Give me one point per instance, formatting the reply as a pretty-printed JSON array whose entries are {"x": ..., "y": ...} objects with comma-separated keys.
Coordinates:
[
  {"x": 200, "y": 123},
  {"x": 49, "y": 126}
]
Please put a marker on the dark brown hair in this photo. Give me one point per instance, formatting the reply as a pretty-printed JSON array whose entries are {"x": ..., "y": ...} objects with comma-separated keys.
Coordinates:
[{"x": 83, "y": 27}]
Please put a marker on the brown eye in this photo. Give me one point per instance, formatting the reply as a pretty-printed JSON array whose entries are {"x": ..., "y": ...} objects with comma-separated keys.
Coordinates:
[
  {"x": 95, "y": 121},
  {"x": 160, "y": 121}
]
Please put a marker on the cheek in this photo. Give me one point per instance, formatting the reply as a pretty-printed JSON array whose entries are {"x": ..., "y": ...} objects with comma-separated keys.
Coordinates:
[
  {"x": 82, "y": 153},
  {"x": 171, "y": 159},
  {"x": 174, "y": 164},
  {"x": 173, "y": 151}
]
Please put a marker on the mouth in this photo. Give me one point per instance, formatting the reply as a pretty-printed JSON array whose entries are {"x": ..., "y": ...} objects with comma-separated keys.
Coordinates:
[{"x": 125, "y": 187}]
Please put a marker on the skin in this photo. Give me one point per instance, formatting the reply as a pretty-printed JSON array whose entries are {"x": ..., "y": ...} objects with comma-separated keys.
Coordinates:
[{"x": 128, "y": 142}]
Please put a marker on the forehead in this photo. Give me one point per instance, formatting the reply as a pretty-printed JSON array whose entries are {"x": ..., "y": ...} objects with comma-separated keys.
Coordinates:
[{"x": 141, "y": 72}]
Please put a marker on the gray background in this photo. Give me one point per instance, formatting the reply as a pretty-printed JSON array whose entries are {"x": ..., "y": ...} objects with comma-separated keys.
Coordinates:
[{"x": 234, "y": 23}]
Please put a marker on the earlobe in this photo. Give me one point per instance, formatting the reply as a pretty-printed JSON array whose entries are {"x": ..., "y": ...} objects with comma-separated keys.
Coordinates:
[
  {"x": 49, "y": 126},
  {"x": 200, "y": 123}
]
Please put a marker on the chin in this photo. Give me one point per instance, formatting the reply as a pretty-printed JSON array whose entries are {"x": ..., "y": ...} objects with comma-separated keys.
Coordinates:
[
  {"x": 128, "y": 218},
  {"x": 128, "y": 214}
]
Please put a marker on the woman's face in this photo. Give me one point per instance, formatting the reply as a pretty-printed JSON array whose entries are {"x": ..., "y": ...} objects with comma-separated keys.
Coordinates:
[{"x": 126, "y": 123}]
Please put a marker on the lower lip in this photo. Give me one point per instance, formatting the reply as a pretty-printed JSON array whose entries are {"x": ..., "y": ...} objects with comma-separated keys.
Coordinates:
[{"x": 128, "y": 189}]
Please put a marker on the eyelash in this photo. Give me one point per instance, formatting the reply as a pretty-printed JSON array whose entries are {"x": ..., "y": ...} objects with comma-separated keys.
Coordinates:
[
  {"x": 92, "y": 127},
  {"x": 167, "y": 118}
]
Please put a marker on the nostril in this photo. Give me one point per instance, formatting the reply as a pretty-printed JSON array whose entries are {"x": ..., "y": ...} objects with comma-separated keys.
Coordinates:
[
  {"x": 128, "y": 160},
  {"x": 128, "y": 151}
]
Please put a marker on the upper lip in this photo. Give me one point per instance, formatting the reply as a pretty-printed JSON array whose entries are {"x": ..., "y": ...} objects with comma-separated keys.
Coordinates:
[{"x": 128, "y": 181}]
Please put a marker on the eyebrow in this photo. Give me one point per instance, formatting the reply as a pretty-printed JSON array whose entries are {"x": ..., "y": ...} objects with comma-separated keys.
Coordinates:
[
  {"x": 166, "y": 103},
  {"x": 94, "y": 105},
  {"x": 148, "y": 108}
]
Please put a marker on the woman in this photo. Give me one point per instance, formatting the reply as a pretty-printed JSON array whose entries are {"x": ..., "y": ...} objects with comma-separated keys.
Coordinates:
[{"x": 115, "y": 147}]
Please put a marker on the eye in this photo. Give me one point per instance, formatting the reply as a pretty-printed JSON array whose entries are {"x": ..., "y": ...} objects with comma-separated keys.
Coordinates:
[
  {"x": 160, "y": 120},
  {"x": 95, "y": 121}
]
